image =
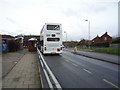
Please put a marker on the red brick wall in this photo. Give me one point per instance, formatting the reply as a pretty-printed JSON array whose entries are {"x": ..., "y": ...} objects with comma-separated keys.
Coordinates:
[{"x": 106, "y": 38}]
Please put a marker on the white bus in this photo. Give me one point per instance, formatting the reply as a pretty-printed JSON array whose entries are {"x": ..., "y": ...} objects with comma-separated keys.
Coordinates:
[{"x": 51, "y": 39}]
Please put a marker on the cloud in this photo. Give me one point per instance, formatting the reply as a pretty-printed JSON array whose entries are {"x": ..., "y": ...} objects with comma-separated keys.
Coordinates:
[
  {"x": 9, "y": 19},
  {"x": 28, "y": 16}
]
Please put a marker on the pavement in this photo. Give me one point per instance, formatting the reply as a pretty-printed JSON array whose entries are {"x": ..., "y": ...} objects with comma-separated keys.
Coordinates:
[
  {"x": 99, "y": 56},
  {"x": 24, "y": 74},
  {"x": 10, "y": 59}
]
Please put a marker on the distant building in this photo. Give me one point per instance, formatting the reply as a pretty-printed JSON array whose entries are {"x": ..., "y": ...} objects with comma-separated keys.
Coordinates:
[
  {"x": 104, "y": 38},
  {"x": 5, "y": 40},
  {"x": 7, "y": 37},
  {"x": 19, "y": 42},
  {"x": 27, "y": 37},
  {"x": 96, "y": 39},
  {"x": 10, "y": 43},
  {"x": 70, "y": 43},
  {"x": 83, "y": 43}
]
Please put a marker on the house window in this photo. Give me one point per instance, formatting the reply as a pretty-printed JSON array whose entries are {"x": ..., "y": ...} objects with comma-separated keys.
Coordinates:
[{"x": 105, "y": 38}]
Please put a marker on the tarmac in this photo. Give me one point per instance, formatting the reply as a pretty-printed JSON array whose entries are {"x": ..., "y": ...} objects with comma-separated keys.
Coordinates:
[
  {"x": 24, "y": 73},
  {"x": 99, "y": 56}
]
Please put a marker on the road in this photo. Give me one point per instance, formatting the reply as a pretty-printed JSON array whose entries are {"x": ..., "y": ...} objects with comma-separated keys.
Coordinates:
[{"x": 75, "y": 71}]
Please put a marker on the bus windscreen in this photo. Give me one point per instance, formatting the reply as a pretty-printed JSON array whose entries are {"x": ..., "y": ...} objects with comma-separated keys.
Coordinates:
[
  {"x": 53, "y": 27},
  {"x": 53, "y": 39}
]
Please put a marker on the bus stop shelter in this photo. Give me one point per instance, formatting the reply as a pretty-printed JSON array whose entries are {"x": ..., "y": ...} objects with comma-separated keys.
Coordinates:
[{"x": 32, "y": 44}]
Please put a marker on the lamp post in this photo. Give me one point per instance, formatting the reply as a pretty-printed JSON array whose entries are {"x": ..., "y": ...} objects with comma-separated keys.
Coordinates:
[
  {"x": 66, "y": 37},
  {"x": 88, "y": 32}
]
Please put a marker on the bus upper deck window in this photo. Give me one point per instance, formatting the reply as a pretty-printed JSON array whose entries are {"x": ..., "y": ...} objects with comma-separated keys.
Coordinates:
[{"x": 53, "y": 27}]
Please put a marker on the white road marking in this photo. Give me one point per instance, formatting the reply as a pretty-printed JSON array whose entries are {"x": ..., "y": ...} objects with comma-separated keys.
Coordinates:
[
  {"x": 87, "y": 71},
  {"x": 110, "y": 83},
  {"x": 75, "y": 64},
  {"x": 67, "y": 60},
  {"x": 71, "y": 62}
]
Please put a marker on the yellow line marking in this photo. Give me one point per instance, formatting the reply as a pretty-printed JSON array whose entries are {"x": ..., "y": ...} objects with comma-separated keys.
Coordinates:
[
  {"x": 87, "y": 71},
  {"x": 111, "y": 83}
]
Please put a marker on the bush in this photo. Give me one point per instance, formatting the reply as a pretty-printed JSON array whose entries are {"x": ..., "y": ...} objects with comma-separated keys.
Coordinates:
[
  {"x": 116, "y": 41},
  {"x": 103, "y": 44}
]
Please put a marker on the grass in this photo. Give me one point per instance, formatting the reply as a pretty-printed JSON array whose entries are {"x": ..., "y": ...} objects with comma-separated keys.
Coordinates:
[{"x": 108, "y": 50}]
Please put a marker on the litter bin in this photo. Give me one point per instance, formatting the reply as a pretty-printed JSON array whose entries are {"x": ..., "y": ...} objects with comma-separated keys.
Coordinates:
[{"x": 32, "y": 44}]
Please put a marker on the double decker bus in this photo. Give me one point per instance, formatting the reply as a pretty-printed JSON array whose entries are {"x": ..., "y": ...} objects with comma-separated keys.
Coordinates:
[{"x": 51, "y": 38}]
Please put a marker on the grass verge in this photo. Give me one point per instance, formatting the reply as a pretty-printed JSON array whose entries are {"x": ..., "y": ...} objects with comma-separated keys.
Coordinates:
[{"x": 115, "y": 51}]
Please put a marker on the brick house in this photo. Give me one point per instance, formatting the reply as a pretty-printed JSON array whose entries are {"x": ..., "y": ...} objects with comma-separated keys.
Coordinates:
[
  {"x": 104, "y": 38},
  {"x": 96, "y": 39}
]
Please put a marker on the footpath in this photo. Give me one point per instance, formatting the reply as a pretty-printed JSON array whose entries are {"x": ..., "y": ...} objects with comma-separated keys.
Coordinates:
[
  {"x": 99, "y": 56},
  {"x": 24, "y": 73},
  {"x": 10, "y": 59}
]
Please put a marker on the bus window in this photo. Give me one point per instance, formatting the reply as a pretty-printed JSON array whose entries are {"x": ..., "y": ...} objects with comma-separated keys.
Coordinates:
[
  {"x": 53, "y": 27},
  {"x": 53, "y": 39}
]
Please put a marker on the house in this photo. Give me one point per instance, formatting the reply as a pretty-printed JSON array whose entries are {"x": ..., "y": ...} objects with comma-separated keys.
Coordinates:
[
  {"x": 104, "y": 38},
  {"x": 96, "y": 39}
]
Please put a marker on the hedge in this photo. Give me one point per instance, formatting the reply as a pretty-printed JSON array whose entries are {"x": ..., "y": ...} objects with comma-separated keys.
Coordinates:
[{"x": 101, "y": 44}]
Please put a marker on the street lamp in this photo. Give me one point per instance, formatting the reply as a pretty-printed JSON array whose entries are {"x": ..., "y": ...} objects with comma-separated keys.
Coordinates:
[
  {"x": 88, "y": 32},
  {"x": 66, "y": 35}
]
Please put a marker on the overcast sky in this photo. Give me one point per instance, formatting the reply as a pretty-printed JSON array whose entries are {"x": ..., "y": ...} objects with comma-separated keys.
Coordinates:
[{"x": 28, "y": 17}]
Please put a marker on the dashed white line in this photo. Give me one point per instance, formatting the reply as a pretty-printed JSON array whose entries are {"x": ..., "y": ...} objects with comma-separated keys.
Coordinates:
[
  {"x": 67, "y": 60},
  {"x": 110, "y": 83},
  {"x": 75, "y": 64},
  {"x": 87, "y": 71},
  {"x": 71, "y": 62}
]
